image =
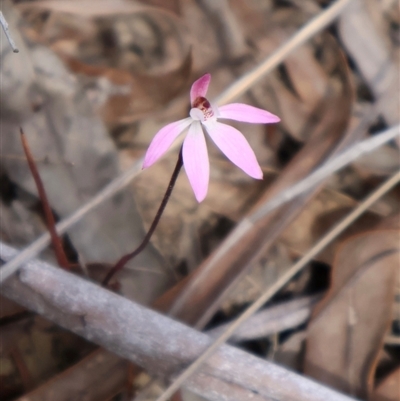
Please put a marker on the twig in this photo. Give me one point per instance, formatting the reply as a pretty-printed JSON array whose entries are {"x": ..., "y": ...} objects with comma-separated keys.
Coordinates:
[
  {"x": 275, "y": 319},
  {"x": 285, "y": 278},
  {"x": 317, "y": 24},
  {"x": 326, "y": 170},
  {"x": 392, "y": 340},
  {"x": 153, "y": 341},
  {"x": 4, "y": 24},
  {"x": 241, "y": 85},
  {"x": 48, "y": 213}
]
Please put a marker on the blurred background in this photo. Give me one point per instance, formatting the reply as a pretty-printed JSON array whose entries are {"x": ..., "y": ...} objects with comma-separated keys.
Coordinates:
[{"x": 91, "y": 85}]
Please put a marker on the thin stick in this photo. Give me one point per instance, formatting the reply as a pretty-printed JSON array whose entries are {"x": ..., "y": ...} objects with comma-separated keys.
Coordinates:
[
  {"x": 126, "y": 258},
  {"x": 282, "y": 281},
  {"x": 315, "y": 25},
  {"x": 62, "y": 259},
  {"x": 4, "y": 24},
  {"x": 243, "y": 84},
  {"x": 326, "y": 170}
]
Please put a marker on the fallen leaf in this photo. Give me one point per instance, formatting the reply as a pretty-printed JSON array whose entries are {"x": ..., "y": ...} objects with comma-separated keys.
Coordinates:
[
  {"x": 349, "y": 325},
  {"x": 372, "y": 56},
  {"x": 79, "y": 381},
  {"x": 389, "y": 389}
]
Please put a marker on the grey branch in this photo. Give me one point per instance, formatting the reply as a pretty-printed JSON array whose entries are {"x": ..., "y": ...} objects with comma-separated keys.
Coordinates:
[
  {"x": 4, "y": 24},
  {"x": 157, "y": 343}
]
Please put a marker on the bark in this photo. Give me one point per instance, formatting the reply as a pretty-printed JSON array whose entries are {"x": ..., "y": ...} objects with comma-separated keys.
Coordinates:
[{"x": 155, "y": 342}]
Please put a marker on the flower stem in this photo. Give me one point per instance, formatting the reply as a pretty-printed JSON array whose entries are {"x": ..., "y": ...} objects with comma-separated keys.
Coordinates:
[{"x": 126, "y": 258}]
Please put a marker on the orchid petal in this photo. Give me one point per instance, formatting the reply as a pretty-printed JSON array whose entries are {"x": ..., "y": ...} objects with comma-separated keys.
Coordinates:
[
  {"x": 247, "y": 114},
  {"x": 195, "y": 160},
  {"x": 199, "y": 88},
  {"x": 235, "y": 147},
  {"x": 163, "y": 140}
]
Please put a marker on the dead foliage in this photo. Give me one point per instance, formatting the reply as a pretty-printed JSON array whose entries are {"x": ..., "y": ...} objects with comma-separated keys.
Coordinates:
[{"x": 94, "y": 81}]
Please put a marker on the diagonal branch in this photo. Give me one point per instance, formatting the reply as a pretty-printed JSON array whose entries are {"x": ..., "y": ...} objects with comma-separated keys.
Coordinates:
[
  {"x": 6, "y": 30},
  {"x": 278, "y": 285},
  {"x": 315, "y": 25},
  {"x": 157, "y": 343}
]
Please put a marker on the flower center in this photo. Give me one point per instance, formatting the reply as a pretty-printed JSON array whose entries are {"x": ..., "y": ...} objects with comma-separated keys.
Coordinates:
[{"x": 204, "y": 105}]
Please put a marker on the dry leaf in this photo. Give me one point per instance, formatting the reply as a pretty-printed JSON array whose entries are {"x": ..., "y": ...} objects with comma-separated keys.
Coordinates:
[
  {"x": 80, "y": 381},
  {"x": 348, "y": 327},
  {"x": 290, "y": 353},
  {"x": 130, "y": 58},
  {"x": 389, "y": 389},
  {"x": 373, "y": 57}
]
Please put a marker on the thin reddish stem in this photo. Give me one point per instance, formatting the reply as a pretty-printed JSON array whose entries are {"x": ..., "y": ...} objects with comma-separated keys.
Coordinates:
[
  {"x": 50, "y": 222},
  {"x": 126, "y": 258}
]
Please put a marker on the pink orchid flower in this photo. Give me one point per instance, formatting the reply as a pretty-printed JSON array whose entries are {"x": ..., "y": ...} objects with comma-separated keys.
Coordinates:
[{"x": 229, "y": 140}]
